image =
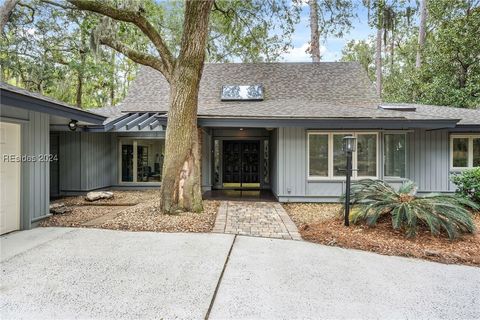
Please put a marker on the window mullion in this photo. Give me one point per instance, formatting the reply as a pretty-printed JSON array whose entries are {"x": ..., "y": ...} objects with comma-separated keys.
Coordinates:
[
  {"x": 470, "y": 152},
  {"x": 330, "y": 155},
  {"x": 135, "y": 162}
]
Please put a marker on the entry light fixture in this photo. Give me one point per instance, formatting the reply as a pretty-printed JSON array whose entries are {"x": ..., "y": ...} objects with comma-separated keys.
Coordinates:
[
  {"x": 349, "y": 143},
  {"x": 241, "y": 129},
  {"x": 72, "y": 125}
]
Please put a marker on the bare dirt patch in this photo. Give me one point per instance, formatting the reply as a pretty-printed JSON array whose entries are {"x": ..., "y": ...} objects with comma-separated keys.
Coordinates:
[
  {"x": 322, "y": 223},
  {"x": 119, "y": 214}
]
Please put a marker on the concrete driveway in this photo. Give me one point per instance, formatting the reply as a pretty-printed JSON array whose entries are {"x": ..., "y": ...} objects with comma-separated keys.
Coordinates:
[{"x": 88, "y": 273}]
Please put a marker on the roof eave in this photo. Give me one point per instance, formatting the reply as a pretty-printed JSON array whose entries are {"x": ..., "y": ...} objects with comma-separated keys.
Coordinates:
[
  {"x": 19, "y": 100},
  {"x": 330, "y": 123}
]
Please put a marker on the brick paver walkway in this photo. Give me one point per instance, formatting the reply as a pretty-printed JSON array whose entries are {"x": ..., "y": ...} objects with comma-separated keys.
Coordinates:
[{"x": 260, "y": 219}]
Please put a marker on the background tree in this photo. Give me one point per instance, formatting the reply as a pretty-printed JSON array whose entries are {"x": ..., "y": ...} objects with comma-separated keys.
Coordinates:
[
  {"x": 421, "y": 32},
  {"x": 46, "y": 49},
  {"x": 449, "y": 71},
  {"x": 328, "y": 18}
]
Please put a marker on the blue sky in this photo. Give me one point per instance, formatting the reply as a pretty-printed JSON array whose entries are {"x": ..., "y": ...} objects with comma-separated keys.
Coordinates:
[{"x": 331, "y": 48}]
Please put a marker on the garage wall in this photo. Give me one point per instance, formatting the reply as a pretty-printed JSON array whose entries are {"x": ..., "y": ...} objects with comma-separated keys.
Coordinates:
[{"x": 35, "y": 183}]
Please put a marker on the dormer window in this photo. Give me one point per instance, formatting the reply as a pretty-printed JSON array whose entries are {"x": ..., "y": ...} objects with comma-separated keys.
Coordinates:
[{"x": 241, "y": 93}]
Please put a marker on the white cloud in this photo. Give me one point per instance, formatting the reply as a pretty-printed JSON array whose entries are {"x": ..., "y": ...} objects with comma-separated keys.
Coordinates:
[{"x": 299, "y": 54}]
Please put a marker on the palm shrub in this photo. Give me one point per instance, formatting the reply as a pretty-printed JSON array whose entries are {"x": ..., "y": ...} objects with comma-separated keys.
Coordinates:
[
  {"x": 372, "y": 199},
  {"x": 468, "y": 184}
]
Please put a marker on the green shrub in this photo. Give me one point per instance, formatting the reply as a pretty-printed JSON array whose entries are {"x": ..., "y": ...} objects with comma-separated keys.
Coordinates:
[
  {"x": 372, "y": 199},
  {"x": 468, "y": 184}
]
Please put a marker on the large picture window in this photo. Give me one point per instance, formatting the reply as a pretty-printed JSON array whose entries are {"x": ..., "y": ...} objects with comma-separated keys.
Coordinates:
[
  {"x": 327, "y": 160},
  {"x": 464, "y": 151},
  {"x": 394, "y": 155},
  {"x": 141, "y": 160}
]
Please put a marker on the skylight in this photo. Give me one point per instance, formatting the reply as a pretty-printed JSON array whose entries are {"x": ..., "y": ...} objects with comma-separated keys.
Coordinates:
[
  {"x": 239, "y": 93},
  {"x": 398, "y": 107}
]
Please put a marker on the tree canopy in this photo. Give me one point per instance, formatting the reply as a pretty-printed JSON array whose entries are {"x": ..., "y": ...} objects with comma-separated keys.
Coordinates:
[
  {"x": 450, "y": 69},
  {"x": 53, "y": 48}
]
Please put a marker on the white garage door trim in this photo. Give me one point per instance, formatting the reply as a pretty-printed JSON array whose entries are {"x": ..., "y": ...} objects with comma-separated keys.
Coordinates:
[{"x": 10, "y": 177}]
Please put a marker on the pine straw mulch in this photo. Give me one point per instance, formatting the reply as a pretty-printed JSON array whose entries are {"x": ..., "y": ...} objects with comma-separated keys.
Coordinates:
[
  {"x": 144, "y": 215},
  {"x": 322, "y": 223}
]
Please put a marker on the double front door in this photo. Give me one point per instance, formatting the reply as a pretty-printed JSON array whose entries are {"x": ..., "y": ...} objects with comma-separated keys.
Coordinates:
[{"x": 241, "y": 164}]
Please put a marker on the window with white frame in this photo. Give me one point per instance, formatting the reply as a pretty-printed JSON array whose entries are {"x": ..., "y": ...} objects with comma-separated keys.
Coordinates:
[
  {"x": 327, "y": 160},
  {"x": 464, "y": 151},
  {"x": 394, "y": 155}
]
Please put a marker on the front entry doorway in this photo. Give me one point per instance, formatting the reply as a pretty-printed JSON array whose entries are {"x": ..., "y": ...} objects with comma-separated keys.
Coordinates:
[{"x": 241, "y": 164}]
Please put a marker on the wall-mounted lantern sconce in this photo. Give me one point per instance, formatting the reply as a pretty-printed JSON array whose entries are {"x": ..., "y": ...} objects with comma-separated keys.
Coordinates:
[
  {"x": 349, "y": 146},
  {"x": 72, "y": 125}
]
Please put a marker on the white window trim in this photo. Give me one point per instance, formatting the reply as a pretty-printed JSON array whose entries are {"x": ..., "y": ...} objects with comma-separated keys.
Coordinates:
[
  {"x": 470, "y": 138},
  {"x": 328, "y": 156},
  {"x": 134, "y": 142},
  {"x": 330, "y": 176},
  {"x": 405, "y": 155}
]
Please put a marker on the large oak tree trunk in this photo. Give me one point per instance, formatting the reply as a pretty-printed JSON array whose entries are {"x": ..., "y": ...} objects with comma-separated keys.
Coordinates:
[{"x": 181, "y": 181}]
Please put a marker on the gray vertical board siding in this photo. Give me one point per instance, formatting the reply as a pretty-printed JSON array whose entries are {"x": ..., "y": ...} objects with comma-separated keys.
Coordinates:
[
  {"x": 274, "y": 161},
  {"x": 292, "y": 161},
  {"x": 70, "y": 161},
  {"x": 95, "y": 160},
  {"x": 85, "y": 160},
  {"x": 428, "y": 160},
  {"x": 206, "y": 160},
  {"x": 35, "y": 176},
  {"x": 54, "y": 168},
  {"x": 39, "y": 140}
]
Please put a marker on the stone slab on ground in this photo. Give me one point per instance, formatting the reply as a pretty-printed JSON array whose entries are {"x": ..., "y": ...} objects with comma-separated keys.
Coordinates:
[
  {"x": 274, "y": 279},
  {"x": 97, "y": 195},
  {"x": 104, "y": 274}
]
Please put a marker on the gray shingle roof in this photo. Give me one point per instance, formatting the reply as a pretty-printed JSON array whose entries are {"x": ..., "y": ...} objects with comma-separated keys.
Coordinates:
[
  {"x": 292, "y": 90},
  {"x": 467, "y": 116}
]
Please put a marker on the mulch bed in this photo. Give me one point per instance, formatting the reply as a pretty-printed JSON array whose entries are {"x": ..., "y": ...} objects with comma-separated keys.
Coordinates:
[
  {"x": 322, "y": 224},
  {"x": 143, "y": 216}
]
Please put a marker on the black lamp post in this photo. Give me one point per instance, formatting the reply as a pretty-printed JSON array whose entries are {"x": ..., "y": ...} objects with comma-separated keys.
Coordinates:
[{"x": 349, "y": 146}]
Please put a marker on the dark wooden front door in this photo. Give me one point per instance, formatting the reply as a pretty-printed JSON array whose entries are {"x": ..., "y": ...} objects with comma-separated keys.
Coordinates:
[{"x": 241, "y": 164}]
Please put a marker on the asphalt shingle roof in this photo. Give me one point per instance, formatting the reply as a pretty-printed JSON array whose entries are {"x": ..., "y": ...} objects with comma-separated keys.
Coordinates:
[{"x": 291, "y": 90}]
